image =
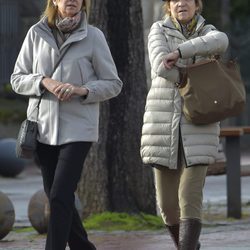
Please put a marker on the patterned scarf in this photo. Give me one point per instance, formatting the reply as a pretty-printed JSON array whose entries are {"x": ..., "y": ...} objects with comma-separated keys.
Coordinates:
[
  {"x": 68, "y": 24},
  {"x": 186, "y": 29}
]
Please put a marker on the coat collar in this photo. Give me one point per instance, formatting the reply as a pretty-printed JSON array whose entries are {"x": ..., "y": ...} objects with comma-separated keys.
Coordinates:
[
  {"x": 44, "y": 31},
  {"x": 172, "y": 30}
]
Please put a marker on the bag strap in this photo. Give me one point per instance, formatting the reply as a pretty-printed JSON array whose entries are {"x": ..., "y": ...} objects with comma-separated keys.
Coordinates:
[
  {"x": 54, "y": 69},
  {"x": 60, "y": 59}
]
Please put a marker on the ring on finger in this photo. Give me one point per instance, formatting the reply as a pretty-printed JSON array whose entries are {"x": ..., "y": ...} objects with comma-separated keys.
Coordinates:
[{"x": 67, "y": 90}]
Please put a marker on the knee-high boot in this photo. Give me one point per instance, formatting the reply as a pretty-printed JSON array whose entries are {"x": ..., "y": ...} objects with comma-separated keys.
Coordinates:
[
  {"x": 174, "y": 233},
  {"x": 190, "y": 230}
]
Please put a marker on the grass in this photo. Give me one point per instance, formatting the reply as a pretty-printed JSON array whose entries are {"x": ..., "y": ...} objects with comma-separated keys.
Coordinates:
[
  {"x": 112, "y": 221},
  {"x": 24, "y": 230},
  {"x": 108, "y": 221}
]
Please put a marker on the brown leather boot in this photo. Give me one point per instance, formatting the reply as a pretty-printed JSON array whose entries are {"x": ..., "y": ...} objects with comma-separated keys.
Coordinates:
[
  {"x": 174, "y": 233},
  {"x": 190, "y": 230}
]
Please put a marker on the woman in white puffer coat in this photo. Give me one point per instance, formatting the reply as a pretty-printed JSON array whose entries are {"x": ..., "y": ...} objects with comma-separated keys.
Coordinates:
[{"x": 178, "y": 150}]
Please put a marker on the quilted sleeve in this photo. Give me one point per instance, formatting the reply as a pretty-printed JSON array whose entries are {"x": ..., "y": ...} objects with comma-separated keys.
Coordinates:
[
  {"x": 210, "y": 42},
  {"x": 158, "y": 48}
]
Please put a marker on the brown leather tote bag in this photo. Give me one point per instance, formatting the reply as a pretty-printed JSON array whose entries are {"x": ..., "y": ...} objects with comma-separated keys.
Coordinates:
[{"x": 213, "y": 91}]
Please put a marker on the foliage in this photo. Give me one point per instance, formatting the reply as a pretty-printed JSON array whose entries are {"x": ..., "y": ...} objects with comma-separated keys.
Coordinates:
[
  {"x": 211, "y": 11},
  {"x": 240, "y": 9},
  {"x": 108, "y": 221},
  {"x": 7, "y": 88},
  {"x": 12, "y": 110}
]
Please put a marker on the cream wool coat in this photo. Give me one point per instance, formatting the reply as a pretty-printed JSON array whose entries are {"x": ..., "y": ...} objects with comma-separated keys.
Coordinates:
[
  {"x": 164, "y": 123},
  {"x": 88, "y": 62}
]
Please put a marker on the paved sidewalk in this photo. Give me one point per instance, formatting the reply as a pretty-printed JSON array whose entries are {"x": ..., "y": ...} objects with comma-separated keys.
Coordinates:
[
  {"x": 221, "y": 237},
  {"x": 216, "y": 235}
]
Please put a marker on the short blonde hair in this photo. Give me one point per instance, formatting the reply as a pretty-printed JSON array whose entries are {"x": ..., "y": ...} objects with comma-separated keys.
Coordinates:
[
  {"x": 51, "y": 11},
  {"x": 166, "y": 7}
]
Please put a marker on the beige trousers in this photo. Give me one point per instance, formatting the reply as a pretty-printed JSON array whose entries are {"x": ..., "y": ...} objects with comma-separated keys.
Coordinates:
[{"x": 179, "y": 193}]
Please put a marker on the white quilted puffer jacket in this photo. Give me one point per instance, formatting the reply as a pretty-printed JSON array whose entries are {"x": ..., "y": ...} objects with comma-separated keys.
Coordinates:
[{"x": 164, "y": 122}]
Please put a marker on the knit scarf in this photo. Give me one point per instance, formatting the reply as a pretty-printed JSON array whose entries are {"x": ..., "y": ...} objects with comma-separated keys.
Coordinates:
[
  {"x": 187, "y": 29},
  {"x": 68, "y": 24}
]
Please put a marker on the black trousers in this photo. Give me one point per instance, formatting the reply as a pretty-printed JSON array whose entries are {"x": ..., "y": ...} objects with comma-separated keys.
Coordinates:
[{"x": 61, "y": 168}]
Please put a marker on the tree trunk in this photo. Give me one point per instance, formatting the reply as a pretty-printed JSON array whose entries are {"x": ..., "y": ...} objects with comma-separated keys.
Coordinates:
[
  {"x": 92, "y": 188},
  {"x": 114, "y": 177},
  {"x": 131, "y": 186}
]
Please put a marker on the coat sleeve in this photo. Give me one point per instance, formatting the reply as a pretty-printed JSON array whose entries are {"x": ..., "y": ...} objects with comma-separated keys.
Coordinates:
[
  {"x": 23, "y": 80},
  {"x": 210, "y": 42},
  {"x": 108, "y": 84},
  {"x": 158, "y": 48}
]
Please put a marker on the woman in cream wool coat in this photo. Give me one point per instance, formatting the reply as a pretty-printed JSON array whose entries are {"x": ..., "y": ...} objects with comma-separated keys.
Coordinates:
[
  {"x": 178, "y": 150},
  {"x": 69, "y": 109}
]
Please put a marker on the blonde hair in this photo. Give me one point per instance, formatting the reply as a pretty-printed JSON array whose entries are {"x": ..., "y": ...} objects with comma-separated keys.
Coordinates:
[
  {"x": 166, "y": 7},
  {"x": 51, "y": 11}
]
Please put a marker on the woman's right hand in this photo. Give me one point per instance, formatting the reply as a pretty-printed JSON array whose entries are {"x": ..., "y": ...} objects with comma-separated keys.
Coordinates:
[
  {"x": 170, "y": 60},
  {"x": 50, "y": 84}
]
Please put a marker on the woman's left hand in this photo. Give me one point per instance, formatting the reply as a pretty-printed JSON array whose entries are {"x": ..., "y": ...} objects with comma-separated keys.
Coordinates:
[
  {"x": 170, "y": 60},
  {"x": 66, "y": 91}
]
